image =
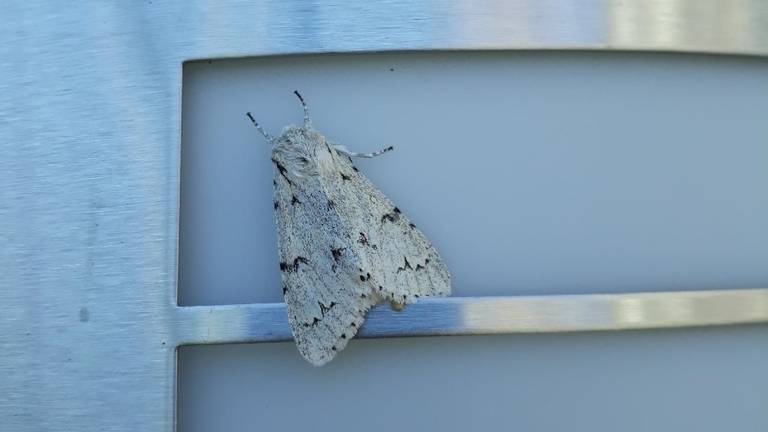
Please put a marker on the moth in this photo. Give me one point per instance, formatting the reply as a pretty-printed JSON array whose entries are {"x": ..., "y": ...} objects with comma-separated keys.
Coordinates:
[{"x": 344, "y": 247}]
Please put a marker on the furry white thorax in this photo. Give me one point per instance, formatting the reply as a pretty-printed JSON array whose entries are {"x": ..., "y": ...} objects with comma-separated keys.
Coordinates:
[{"x": 298, "y": 150}]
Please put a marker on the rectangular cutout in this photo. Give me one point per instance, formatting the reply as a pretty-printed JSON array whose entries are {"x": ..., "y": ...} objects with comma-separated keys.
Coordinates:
[
  {"x": 533, "y": 173},
  {"x": 694, "y": 379}
]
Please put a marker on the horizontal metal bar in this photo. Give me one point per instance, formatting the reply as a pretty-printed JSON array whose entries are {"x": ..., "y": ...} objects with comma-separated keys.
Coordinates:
[{"x": 489, "y": 315}]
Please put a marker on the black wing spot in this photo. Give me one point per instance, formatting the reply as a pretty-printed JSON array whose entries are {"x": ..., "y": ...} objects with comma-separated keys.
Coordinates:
[
  {"x": 362, "y": 278},
  {"x": 282, "y": 170},
  {"x": 426, "y": 261},
  {"x": 333, "y": 347},
  {"x": 274, "y": 183},
  {"x": 391, "y": 217},
  {"x": 324, "y": 309},
  {"x": 314, "y": 322},
  {"x": 354, "y": 168},
  {"x": 290, "y": 268},
  {"x": 353, "y": 325},
  {"x": 367, "y": 276},
  {"x": 343, "y": 335},
  {"x": 295, "y": 200},
  {"x": 380, "y": 288},
  {"x": 412, "y": 226},
  {"x": 345, "y": 177},
  {"x": 363, "y": 240},
  {"x": 336, "y": 254},
  {"x": 285, "y": 289},
  {"x": 406, "y": 266},
  {"x": 362, "y": 295},
  {"x": 419, "y": 267},
  {"x": 277, "y": 205},
  {"x": 396, "y": 210}
]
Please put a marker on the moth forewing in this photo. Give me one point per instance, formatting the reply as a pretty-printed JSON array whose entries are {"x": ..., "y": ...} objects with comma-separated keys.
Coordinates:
[{"x": 343, "y": 245}]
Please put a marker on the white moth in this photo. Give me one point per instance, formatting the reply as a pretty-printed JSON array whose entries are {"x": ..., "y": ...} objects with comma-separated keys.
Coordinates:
[{"x": 343, "y": 245}]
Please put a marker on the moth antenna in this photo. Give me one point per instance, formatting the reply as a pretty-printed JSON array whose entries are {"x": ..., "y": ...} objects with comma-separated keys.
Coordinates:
[
  {"x": 307, "y": 121},
  {"x": 259, "y": 128}
]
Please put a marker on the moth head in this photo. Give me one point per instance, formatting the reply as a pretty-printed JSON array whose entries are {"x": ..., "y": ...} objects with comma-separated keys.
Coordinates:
[{"x": 299, "y": 151}]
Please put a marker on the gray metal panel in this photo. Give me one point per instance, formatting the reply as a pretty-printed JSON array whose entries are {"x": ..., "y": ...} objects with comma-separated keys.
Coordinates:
[{"x": 90, "y": 133}]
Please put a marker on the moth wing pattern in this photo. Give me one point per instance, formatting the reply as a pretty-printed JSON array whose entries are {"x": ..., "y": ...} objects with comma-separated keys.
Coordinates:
[
  {"x": 326, "y": 301},
  {"x": 403, "y": 265},
  {"x": 343, "y": 245}
]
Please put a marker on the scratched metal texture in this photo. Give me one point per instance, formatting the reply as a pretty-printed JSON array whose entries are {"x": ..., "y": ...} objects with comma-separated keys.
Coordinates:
[{"x": 89, "y": 177}]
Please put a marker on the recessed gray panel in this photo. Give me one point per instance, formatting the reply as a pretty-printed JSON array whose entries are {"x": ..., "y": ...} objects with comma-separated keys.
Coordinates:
[
  {"x": 703, "y": 380},
  {"x": 533, "y": 173}
]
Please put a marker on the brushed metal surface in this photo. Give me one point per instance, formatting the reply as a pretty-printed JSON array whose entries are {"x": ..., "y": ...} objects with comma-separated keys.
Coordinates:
[
  {"x": 489, "y": 315},
  {"x": 89, "y": 167}
]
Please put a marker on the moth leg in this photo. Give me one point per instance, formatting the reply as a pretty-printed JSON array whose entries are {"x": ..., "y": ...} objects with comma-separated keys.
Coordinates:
[
  {"x": 396, "y": 306},
  {"x": 343, "y": 150}
]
